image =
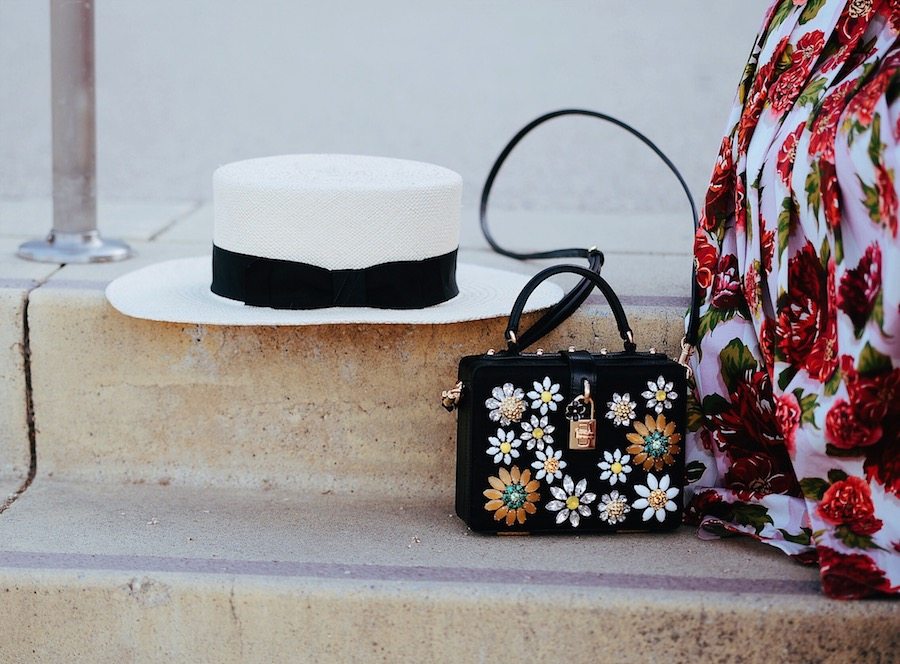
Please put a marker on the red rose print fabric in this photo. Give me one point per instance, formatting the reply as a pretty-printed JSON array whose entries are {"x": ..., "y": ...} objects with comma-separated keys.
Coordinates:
[{"x": 795, "y": 421}]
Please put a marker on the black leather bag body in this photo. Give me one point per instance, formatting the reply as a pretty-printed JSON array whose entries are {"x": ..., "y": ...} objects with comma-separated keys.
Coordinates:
[{"x": 569, "y": 441}]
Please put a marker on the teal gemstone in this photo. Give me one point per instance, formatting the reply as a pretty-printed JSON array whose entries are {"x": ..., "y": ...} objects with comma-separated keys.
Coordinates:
[
  {"x": 656, "y": 444},
  {"x": 514, "y": 496}
]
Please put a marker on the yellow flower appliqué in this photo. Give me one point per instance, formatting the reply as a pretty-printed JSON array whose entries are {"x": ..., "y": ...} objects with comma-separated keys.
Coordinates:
[
  {"x": 512, "y": 495},
  {"x": 659, "y": 394}
]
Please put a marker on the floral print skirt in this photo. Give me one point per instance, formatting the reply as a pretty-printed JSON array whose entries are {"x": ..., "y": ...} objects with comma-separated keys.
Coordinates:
[{"x": 795, "y": 423}]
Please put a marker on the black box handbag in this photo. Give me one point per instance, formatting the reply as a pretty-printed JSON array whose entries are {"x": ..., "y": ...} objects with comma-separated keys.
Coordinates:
[{"x": 569, "y": 441}]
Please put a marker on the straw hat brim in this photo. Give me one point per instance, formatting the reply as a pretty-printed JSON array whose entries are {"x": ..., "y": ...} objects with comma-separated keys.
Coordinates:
[{"x": 177, "y": 291}]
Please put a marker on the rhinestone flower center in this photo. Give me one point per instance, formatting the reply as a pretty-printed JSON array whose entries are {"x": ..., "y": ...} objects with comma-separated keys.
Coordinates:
[
  {"x": 656, "y": 444},
  {"x": 546, "y": 396},
  {"x": 572, "y": 502},
  {"x": 657, "y": 499},
  {"x": 615, "y": 509},
  {"x": 551, "y": 465},
  {"x": 512, "y": 408},
  {"x": 514, "y": 496},
  {"x": 616, "y": 468},
  {"x": 622, "y": 409}
]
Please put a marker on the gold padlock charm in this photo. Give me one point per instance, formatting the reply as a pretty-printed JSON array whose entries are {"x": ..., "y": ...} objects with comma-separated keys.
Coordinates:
[
  {"x": 583, "y": 431},
  {"x": 583, "y": 434}
]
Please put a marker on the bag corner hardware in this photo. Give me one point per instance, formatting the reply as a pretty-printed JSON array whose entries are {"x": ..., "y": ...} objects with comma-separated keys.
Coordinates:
[
  {"x": 450, "y": 398},
  {"x": 684, "y": 358}
]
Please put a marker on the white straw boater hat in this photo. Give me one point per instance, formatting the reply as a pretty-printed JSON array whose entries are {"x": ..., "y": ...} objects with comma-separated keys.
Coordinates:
[{"x": 319, "y": 239}]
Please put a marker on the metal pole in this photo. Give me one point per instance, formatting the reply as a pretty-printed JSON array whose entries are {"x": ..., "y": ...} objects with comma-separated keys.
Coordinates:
[{"x": 74, "y": 237}]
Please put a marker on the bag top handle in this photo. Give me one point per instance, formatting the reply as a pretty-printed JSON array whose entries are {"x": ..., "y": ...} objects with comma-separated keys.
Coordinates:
[
  {"x": 593, "y": 279},
  {"x": 575, "y": 297}
]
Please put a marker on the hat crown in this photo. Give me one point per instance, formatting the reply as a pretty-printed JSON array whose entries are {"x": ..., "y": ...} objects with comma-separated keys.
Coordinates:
[{"x": 338, "y": 212}]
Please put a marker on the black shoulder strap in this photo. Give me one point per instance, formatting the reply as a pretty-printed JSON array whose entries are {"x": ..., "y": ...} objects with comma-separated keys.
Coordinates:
[{"x": 575, "y": 297}]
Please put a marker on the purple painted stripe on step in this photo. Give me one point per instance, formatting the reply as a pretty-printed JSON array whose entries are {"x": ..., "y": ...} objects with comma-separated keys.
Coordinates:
[
  {"x": 18, "y": 284},
  {"x": 680, "y": 301},
  {"x": 357, "y": 572}
]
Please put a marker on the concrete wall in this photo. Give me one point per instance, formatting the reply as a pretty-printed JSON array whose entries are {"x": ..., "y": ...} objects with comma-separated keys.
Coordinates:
[{"x": 185, "y": 85}]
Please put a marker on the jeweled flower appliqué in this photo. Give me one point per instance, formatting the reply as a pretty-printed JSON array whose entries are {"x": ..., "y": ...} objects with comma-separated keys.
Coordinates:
[
  {"x": 506, "y": 404},
  {"x": 545, "y": 396},
  {"x": 576, "y": 410},
  {"x": 613, "y": 507},
  {"x": 512, "y": 495},
  {"x": 571, "y": 502},
  {"x": 549, "y": 465},
  {"x": 655, "y": 498},
  {"x": 621, "y": 409},
  {"x": 614, "y": 466},
  {"x": 503, "y": 446},
  {"x": 655, "y": 444},
  {"x": 659, "y": 394},
  {"x": 537, "y": 433}
]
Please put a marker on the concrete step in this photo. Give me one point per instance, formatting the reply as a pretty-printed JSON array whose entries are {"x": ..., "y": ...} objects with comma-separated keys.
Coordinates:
[
  {"x": 148, "y": 573},
  {"x": 304, "y": 408},
  {"x": 24, "y": 219},
  {"x": 270, "y": 494}
]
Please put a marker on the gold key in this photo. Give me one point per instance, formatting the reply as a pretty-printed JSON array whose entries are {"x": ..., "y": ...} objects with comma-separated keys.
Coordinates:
[{"x": 583, "y": 431}]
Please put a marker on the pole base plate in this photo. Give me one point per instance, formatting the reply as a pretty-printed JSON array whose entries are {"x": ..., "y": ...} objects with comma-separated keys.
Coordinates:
[{"x": 86, "y": 247}]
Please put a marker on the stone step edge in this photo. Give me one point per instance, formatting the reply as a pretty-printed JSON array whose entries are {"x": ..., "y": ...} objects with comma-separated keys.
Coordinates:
[
  {"x": 85, "y": 565},
  {"x": 142, "y": 615}
]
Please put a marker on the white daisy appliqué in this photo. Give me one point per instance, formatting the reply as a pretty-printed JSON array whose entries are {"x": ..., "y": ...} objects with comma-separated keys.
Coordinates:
[
  {"x": 621, "y": 409},
  {"x": 613, "y": 507},
  {"x": 615, "y": 467},
  {"x": 545, "y": 396},
  {"x": 659, "y": 394},
  {"x": 537, "y": 433},
  {"x": 549, "y": 465},
  {"x": 503, "y": 446},
  {"x": 656, "y": 498},
  {"x": 571, "y": 502},
  {"x": 506, "y": 404}
]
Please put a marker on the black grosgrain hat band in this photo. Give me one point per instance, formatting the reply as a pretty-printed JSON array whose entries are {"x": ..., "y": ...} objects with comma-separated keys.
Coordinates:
[{"x": 283, "y": 284}]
